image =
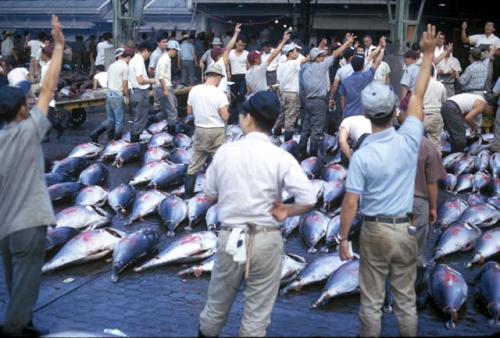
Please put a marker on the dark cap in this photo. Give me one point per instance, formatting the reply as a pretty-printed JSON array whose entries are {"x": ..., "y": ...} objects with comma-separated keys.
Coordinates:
[
  {"x": 264, "y": 106},
  {"x": 215, "y": 52},
  {"x": 253, "y": 56},
  {"x": 476, "y": 53},
  {"x": 358, "y": 62},
  {"x": 411, "y": 54},
  {"x": 48, "y": 51},
  {"x": 348, "y": 52},
  {"x": 11, "y": 99},
  {"x": 128, "y": 52}
]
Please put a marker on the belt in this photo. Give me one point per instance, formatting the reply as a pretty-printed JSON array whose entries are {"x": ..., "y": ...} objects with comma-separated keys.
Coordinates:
[
  {"x": 252, "y": 230},
  {"x": 387, "y": 219},
  {"x": 270, "y": 71},
  {"x": 317, "y": 97},
  {"x": 256, "y": 229}
]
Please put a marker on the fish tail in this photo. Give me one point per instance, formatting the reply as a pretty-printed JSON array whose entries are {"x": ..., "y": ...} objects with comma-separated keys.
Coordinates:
[
  {"x": 312, "y": 250},
  {"x": 170, "y": 233},
  {"x": 114, "y": 277}
]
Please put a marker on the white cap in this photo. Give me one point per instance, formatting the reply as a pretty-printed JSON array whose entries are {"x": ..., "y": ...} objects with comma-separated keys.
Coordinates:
[
  {"x": 289, "y": 47},
  {"x": 172, "y": 44}
]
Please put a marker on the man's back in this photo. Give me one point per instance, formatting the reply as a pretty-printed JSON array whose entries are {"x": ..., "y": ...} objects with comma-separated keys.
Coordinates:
[
  {"x": 206, "y": 100},
  {"x": 351, "y": 89},
  {"x": 383, "y": 170},
  {"x": 248, "y": 176},
  {"x": 434, "y": 97}
]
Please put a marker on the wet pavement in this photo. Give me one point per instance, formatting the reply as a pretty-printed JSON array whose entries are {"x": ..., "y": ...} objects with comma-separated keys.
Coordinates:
[{"x": 160, "y": 303}]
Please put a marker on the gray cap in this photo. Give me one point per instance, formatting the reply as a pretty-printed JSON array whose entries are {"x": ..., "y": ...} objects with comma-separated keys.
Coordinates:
[
  {"x": 215, "y": 68},
  {"x": 216, "y": 41},
  {"x": 315, "y": 52},
  {"x": 172, "y": 44},
  {"x": 378, "y": 100},
  {"x": 119, "y": 52}
]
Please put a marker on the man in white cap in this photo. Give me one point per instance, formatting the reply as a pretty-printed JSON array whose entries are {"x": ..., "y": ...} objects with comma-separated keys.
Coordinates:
[
  {"x": 288, "y": 78},
  {"x": 383, "y": 172},
  {"x": 209, "y": 105},
  {"x": 206, "y": 59},
  {"x": 316, "y": 88},
  {"x": 117, "y": 96},
  {"x": 163, "y": 87}
]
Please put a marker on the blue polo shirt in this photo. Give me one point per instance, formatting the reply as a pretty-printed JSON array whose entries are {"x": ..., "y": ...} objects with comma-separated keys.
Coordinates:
[
  {"x": 351, "y": 88},
  {"x": 383, "y": 170}
]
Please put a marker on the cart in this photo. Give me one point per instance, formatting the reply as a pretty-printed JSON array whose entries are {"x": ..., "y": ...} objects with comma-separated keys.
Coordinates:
[{"x": 74, "y": 110}]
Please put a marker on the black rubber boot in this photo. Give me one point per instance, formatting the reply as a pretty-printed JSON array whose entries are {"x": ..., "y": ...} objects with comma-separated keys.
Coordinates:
[
  {"x": 277, "y": 132},
  {"x": 313, "y": 148},
  {"x": 288, "y": 135},
  {"x": 117, "y": 136},
  {"x": 171, "y": 130},
  {"x": 189, "y": 183},
  {"x": 134, "y": 138},
  {"x": 111, "y": 134},
  {"x": 94, "y": 136},
  {"x": 302, "y": 148}
]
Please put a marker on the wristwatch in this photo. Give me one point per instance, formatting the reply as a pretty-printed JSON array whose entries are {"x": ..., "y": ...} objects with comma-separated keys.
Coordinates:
[{"x": 340, "y": 239}]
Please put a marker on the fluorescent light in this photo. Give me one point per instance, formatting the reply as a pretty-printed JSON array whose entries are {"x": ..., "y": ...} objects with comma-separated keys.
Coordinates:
[{"x": 441, "y": 4}]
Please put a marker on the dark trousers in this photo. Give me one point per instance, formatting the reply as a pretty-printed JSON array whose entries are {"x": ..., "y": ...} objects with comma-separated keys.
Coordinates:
[
  {"x": 313, "y": 124},
  {"x": 23, "y": 257},
  {"x": 238, "y": 92},
  {"x": 454, "y": 123},
  {"x": 139, "y": 102}
]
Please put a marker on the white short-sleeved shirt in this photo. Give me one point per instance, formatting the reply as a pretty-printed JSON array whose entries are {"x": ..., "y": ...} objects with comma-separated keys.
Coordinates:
[
  {"x": 206, "y": 100},
  {"x": 17, "y": 75},
  {"x": 117, "y": 73},
  {"x": 7, "y": 47},
  {"x": 356, "y": 126},
  {"x": 102, "y": 79},
  {"x": 248, "y": 176},
  {"x": 256, "y": 78},
  {"x": 446, "y": 65},
  {"x": 284, "y": 58},
  {"x": 382, "y": 71},
  {"x": 482, "y": 39},
  {"x": 344, "y": 72},
  {"x": 101, "y": 48},
  {"x": 288, "y": 76},
  {"x": 35, "y": 47},
  {"x": 137, "y": 67},
  {"x": 465, "y": 101},
  {"x": 238, "y": 63},
  {"x": 435, "y": 96},
  {"x": 164, "y": 70}
]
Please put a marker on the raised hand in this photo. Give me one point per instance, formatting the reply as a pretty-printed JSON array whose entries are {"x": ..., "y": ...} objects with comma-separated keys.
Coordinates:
[
  {"x": 286, "y": 35},
  {"x": 449, "y": 48},
  {"x": 237, "y": 28},
  {"x": 57, "y": 33},
  {"x": 464, "y": 25},
  {"x": 428, "y": 40}
]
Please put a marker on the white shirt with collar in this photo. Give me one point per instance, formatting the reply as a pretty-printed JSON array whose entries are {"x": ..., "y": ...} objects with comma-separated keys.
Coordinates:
[
  {"x": 249, "y": 175},
  {"x": 137, "y": 67},
  {"x": 482, "y": 39},
  {"x": 206, "y": 100},
  {"x": 369, "y": 50},
  {"x": 101, "y": 50},
  {"x": 164, "y": 70}
]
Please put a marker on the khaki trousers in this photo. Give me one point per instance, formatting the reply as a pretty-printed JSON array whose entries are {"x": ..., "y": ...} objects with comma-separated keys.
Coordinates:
[
  {"x": 433, "y": 127},
  {"x": 290, "y": 105},
  {"x": 206, "y": 141},
  {"x": 261, "y": 287},
  {"x": 387, "y": 250}
]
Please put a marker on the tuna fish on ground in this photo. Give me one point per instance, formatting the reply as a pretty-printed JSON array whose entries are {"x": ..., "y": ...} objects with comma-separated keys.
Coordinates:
[
  {"x": 94, "y": 175},
  {"x": 488, "y": 290},
  {"x": 457, "y": 237},
  {"x": 131, "y": 248},
  {"x": 313, "y": 228},
  {"x": 172, "y": 211},
  {"x": 487, "y": 246},
  {"x": 121, "y": 198}
]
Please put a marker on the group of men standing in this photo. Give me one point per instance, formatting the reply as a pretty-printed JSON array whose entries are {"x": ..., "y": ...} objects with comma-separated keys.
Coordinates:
[{"x": 248, "y": 176}]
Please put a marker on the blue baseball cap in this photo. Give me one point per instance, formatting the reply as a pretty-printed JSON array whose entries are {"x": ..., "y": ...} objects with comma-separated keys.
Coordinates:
[
  {"x": 11, "y": 99},
  {"x": 24, "y": 85},
  {"x": 378, "y": 100},
  {"x": 263, "y": 106}
]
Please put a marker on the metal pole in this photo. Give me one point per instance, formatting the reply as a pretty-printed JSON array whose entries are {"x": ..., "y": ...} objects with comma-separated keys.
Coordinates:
[{"x": 419, "y": 17}]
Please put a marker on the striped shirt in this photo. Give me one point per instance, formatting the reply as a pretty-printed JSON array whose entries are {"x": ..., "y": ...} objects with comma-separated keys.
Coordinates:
[{"x": 474, "y": 77}]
